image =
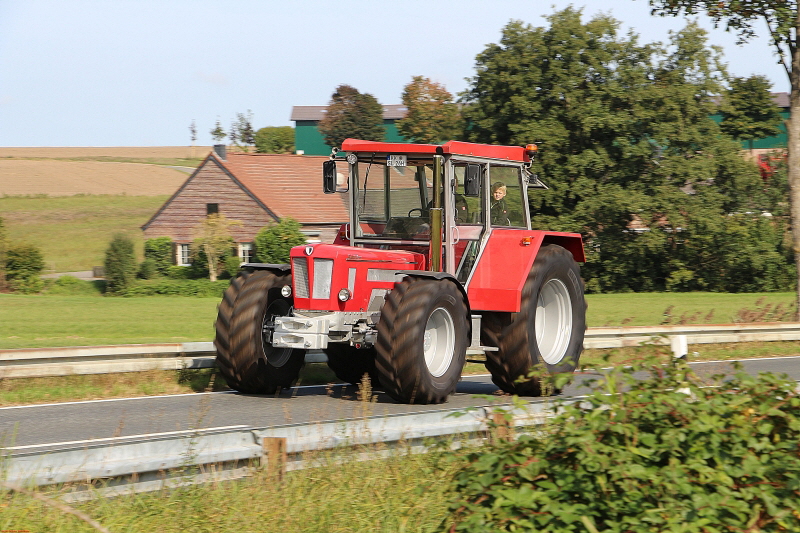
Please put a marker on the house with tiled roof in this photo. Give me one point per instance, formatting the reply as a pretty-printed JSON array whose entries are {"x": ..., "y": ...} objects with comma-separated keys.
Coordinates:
[
  {"x": 309, "y": 141},
  {"x": 254, "y": 189}
]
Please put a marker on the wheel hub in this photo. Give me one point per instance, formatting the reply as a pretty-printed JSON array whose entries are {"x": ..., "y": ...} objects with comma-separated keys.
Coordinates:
[
  {"x": 277, "y": 357},
  {"x": 553, "y": 321},
  {"x": 439, "y": 341}
]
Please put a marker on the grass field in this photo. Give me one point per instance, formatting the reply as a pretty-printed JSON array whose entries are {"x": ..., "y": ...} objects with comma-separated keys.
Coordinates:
[
  {"x": 73, "y": 232},
  {"x": 43, "y": 321}
]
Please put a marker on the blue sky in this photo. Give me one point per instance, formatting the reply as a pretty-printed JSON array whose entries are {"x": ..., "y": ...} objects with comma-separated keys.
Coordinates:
[{"x": 136, "y": 73}]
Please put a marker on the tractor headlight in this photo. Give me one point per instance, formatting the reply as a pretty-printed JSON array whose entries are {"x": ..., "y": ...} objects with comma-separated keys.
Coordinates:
[
  {"x": 344, "y": 295},
  {"x": 286, "y": 291}
]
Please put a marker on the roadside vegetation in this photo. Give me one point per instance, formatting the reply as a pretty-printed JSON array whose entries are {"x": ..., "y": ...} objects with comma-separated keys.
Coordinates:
[{"x": 666, "y": 454}]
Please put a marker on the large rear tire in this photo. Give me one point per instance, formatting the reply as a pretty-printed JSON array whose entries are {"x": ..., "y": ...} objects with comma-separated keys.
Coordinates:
[
  {"x": 245, "y": 357},
  {"x": 350, "y": 363},
  {"x": 422, "y": 340},
  {"x": 548, "y": 330}
]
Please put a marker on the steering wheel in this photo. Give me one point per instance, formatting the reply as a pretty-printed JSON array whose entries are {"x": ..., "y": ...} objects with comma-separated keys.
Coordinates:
[{"x": 421, "y": 212}]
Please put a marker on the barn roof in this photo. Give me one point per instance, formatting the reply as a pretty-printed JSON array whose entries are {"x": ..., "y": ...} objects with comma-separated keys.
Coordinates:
[{"x": 288, "y": 185}]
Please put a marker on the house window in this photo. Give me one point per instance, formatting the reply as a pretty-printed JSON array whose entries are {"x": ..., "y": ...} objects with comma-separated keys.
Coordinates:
[
  {"x": 212, "y": 209},
  {"x": 246, "y": 252},
  {"x": 184, "y": 255}
]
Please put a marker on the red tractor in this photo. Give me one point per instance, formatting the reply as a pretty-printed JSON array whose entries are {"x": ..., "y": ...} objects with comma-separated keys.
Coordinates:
[{"x": 438, "y": 261}]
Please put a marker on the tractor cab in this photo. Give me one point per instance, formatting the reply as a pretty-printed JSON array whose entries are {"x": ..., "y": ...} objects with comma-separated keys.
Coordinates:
[{"x": 398, "y": 192}]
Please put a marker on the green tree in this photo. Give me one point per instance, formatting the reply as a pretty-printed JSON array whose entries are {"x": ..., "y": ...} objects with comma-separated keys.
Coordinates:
[
  {"x": 432, "y": 115},
  {"x": 244, "y": 133},
  {"x": 217, "y": 133},
  {"x": 273, "y": 243},
  {"x": 631, "y": 154},
  {"x": 782, "y": 20},
  {"x": 213, "y": 237},
  {"x": 748, "y": 111},
  {"x": 352, "y": 114},
  {"x": 275, "y": 140},
  {"x": 120, "y": 264},
  {"x": 24, "y": 265}
]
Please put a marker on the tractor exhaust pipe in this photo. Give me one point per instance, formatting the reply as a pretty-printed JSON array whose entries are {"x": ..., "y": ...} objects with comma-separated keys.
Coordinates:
[{"x": 436, "y": 214}]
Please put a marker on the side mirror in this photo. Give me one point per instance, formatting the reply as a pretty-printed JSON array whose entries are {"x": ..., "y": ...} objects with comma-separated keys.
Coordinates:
[
  {"x": 329, "y": 177},
  {"x": 473, "y": 176}
]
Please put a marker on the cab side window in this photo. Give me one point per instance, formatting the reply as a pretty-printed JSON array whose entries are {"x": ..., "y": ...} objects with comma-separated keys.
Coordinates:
[{"x": 505, "y": 200}]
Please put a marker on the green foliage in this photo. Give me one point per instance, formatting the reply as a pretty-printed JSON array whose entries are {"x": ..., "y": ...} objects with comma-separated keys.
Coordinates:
[
  {"x": 3, "y": 251},
  {"x": 432, "y": 115},
  {"x": 273, "y": 243},
  {"x": 23, "y": 265},
  {"x": 241, "y": 133},
  {"x": 668, "y": 453},
  {"x": 147, "y": 269},
  {"x": 275, "y": 140},
  {"x": 160, "y": 251},
  {"x": 218, "y": 133},
  {"x": 232, "y": 264},
  {"x": 748, "y": 112},
  {"x": 72, "y": 286},
  {"x": 633, "y": 160},
  {"x": 120, "y": 264},
  {"x": 181, "y": 272},
  {"x": 352, "y": 114},
  {"x": 213, "y": 243},
  {"x": 169, "y": 287}
]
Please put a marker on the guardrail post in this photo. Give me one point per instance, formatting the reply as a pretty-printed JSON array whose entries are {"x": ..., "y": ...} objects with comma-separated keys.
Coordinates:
[
  {"x": 274, "y": 455},
  {"x": 680, "y": 348}
]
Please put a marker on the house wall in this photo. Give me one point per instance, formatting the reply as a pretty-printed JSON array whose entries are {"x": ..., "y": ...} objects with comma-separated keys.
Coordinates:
[
  {"x": 187, "y": 210},
  {"x": 308, "y": 138}
]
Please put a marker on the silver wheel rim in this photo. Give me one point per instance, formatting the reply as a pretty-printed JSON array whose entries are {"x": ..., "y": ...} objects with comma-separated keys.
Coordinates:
[
  {"x": 277, "y": 357},
  {"x": 553, "y": 321},
  {"x": 439, "y": 341}
]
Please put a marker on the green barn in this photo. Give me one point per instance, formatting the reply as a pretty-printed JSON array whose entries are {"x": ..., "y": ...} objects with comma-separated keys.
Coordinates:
[{"x": 308, "y": 140}]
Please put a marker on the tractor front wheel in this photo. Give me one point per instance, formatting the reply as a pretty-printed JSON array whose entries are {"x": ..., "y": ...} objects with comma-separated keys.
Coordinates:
[
  {"x": 547, "y": 331},
  {"x": 245, "y": 355},
  {"x": 422, "y": 340}
]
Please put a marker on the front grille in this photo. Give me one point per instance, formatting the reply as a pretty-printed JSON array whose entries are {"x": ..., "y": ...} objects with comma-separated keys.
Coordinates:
[
  {"x": 300, "y": 275},
  {"x": 323, "y": 274}
]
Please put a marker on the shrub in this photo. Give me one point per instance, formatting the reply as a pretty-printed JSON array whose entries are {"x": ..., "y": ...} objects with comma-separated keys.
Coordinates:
[
  {"x": 666, "y": 454},
  {"x": 167, "y": 287},
  {"x": 120, "y": 264},
  {"x": 273, "y": 243},
  {"x": 24, "y": 263},
  {"x": 232, "y": 264},
  {"x": 147, "y": 269},
  {"x": 179, "y": 272},
  {"x": 70, "y": 285},
  {"x": 159, "y": 250}
]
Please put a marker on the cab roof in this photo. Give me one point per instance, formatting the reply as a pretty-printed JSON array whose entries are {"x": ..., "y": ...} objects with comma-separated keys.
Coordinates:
[{"x": 490, "y": 151}]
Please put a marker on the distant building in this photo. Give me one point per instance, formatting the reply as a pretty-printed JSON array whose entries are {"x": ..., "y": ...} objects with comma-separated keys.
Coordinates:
[
  {"x": 256, "y": 190},
  {"x": 309, "y": 141}
]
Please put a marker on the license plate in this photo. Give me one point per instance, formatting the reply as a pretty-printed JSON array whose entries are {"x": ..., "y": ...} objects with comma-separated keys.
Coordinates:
[{"x": 396, "y": 160}]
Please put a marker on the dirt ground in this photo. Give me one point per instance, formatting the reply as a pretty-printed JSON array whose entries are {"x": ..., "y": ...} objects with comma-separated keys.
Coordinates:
[
  {"x": 68, "y": 178},
  {"x": 138, "y": 152}
]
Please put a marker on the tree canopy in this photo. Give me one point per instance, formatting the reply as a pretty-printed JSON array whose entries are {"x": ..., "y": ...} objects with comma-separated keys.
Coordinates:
[
  {"x": 352, "y": 114},
  {"x": 633, "y": 160},
  {"x": 432, "y": 116},
  {"x": 748, "y": 111},
  {"x": 275, "y": 140}
]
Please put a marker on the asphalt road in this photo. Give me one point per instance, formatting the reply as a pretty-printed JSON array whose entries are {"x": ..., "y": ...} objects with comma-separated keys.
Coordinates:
[{"x": 58, "y": 424}]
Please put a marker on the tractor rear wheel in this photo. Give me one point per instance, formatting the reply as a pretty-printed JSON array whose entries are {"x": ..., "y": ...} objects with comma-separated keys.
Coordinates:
[
  {"x": 547, "y": 331},
  {"x": 350, "y": 363},
  {"x": 422, "y": 340},
  {"x": 245, "y": 356}
]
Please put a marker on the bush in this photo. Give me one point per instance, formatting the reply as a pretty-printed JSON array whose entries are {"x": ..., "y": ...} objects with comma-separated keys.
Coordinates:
[
  {"x": 275, "y": 140},
  {"x": 178, "y": 272},
  {"x": 273, "y": 243},
  {"x": 72, "y": 286},
  {"x": 669, "y": 453},
  {"x": 232, "y": 264},
  {"x": 24, "y": 264},
  {"x": 159, "y": 250},
  {"x": 166, "y": 287},
  {"x": 120, "y": 264},
  {"x": 147, "y": 269}
]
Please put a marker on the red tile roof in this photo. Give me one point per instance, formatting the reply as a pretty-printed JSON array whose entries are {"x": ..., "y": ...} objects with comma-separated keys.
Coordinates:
[{"x": 289, "y": 185}]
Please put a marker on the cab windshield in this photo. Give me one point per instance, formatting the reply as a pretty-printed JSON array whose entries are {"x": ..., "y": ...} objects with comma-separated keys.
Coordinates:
[{"x": 393, "y": 197}]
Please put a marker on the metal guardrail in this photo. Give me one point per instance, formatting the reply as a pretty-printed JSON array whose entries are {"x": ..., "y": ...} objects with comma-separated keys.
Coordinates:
[
  {"x": 36, "y": 362},
  {"x": 162, "y": 460}
]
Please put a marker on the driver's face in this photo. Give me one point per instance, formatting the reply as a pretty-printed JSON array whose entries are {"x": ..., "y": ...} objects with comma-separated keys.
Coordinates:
[{"x": 498, "y": 194}]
